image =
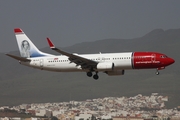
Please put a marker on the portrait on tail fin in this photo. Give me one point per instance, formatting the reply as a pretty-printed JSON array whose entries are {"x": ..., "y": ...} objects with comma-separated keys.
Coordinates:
[{"x": 25, "y": 49}]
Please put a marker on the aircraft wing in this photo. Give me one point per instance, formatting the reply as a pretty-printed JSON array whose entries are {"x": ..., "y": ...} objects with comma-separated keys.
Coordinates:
[
  {"x": 19, "y": 58},
  {"x": 78, "y": 60}
]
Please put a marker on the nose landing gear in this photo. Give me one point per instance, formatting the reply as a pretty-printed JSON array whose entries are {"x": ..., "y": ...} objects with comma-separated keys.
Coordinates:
[{"x": 157, "y": 72}]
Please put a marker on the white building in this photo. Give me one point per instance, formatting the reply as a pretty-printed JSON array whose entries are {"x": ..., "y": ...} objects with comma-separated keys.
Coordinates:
[
  {"x": 43, "y": 112},
  {"x": 83, "y": 116},
  {"x": 106, "y": 117},
  {"x": 5, "y": 118},
  {"x": 56, "y": 113}
]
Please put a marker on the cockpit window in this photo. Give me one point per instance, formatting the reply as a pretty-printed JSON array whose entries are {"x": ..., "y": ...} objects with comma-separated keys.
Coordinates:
[{"x": 163, "y": 56}]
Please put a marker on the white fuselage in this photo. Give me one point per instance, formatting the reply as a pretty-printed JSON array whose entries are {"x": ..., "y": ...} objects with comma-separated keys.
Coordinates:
[
  {"x": 61, "y": 63},
  {"x": 109, "y": 63}
]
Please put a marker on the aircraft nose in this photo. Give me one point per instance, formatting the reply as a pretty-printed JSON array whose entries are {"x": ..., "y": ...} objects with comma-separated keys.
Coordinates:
[{"x": 171, "y": 61}]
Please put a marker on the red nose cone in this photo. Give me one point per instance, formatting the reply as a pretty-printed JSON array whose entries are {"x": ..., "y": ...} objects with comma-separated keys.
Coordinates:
[{"x": 171, "y": 61}]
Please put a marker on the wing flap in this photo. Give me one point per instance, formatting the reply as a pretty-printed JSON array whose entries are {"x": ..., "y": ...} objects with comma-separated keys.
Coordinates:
[
  {"x": 19, "y": 58},
  {"x": 78, "y": 60}
]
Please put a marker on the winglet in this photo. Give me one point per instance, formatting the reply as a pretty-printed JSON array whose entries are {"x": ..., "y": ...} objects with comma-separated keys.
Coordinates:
[
  {"x": 18, "y": 30},
  {"x": 51, "y": 45}
]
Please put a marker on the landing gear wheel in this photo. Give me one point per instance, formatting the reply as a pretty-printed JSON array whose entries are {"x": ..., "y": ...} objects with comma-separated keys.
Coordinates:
[
  {"x": 157, "y": 73},
  {"x": 89, "y": 74},
  {"x": 95, "y": 76}
]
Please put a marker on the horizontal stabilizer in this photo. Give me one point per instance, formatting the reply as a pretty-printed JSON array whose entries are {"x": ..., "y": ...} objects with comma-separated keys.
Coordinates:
[{"x": 19, "y": 58}]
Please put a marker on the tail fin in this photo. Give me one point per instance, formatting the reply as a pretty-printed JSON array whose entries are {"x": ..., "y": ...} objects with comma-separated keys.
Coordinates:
[{"x": 26, "y": 47}]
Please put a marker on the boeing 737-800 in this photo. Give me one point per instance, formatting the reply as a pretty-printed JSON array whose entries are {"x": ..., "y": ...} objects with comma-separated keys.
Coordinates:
[{"x": 109, "y": 63}]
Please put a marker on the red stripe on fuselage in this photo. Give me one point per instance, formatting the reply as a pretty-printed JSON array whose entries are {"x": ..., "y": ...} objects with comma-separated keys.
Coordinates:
[{"x": 143, "y": 60}]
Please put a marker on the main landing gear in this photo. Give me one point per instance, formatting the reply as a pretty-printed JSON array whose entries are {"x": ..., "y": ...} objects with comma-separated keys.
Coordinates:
[{"x": 95, "y": 76}]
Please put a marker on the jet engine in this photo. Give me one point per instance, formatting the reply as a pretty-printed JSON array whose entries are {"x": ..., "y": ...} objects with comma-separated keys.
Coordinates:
[{"x": 106, "y": 66}]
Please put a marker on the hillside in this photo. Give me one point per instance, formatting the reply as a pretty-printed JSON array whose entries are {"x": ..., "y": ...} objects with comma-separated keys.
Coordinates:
[{"x": 20, "y": 84}]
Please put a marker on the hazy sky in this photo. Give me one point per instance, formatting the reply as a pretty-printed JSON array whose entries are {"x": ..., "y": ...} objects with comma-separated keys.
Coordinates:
[{"x": 68, "y": 22}]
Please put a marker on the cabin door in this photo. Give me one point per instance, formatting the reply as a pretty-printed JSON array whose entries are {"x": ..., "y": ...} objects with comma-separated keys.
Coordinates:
[{"x": 41, "y": 63}]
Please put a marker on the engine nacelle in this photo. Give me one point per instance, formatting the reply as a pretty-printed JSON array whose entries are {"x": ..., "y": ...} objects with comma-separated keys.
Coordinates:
[
  {"x": 106, "y": 66},
  {"x": 116, "y": 72}
]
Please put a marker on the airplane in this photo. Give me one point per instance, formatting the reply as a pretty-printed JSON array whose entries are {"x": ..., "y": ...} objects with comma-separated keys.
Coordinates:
[{"x": 110, "y": 63}]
